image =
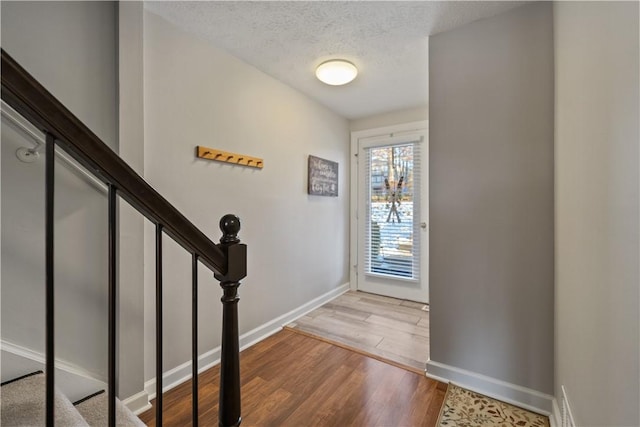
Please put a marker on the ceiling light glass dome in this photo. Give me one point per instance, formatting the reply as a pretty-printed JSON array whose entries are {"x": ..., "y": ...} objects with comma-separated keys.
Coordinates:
[{"x": 336, "y": 72}]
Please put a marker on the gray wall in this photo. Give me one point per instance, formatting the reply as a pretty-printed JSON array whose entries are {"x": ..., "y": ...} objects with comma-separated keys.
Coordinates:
[
  {"x": 70, "y": 47},
  {"x": 81, "y": 253},
  {"x": 597, "y": 213},
  {"x": 491, "y": 197},
  {"x": 199, "y": 95},
  {"x": 131, "y": 149}
]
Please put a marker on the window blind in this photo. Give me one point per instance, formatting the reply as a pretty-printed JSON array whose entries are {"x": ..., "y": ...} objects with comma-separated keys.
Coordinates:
[{"x": 392, "y": 210}]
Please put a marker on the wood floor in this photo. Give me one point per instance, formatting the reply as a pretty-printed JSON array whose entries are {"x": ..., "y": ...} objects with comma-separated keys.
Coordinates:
[
  {"x": 291, "y": 379},
  {"x": 386, "y": 328}
]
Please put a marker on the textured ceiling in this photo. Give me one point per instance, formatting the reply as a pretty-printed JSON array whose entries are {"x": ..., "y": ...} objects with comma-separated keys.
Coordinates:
[{"x": 386, "y": 40}]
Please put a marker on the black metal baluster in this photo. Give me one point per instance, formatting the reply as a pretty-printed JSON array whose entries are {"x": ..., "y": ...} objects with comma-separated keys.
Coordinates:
[
  {"x": 49, "y": 268},
  {"x": 194, "y": 339},
  {"x": 113, "y": 253},
  {"x": 159, "y": 325},
  {"x": 236, "y": 254}
]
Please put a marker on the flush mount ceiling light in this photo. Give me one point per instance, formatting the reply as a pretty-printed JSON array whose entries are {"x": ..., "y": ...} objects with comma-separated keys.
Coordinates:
[{"x": 336, "y": 72}]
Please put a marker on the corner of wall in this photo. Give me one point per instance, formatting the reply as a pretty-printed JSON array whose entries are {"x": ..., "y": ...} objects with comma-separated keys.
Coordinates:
[
  {"x": 392, "y": 118},
  {"x": 178, "y": 375}
]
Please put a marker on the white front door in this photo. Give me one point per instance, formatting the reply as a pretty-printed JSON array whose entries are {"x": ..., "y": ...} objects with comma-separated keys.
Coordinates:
[{"x": 391, "y": 215}]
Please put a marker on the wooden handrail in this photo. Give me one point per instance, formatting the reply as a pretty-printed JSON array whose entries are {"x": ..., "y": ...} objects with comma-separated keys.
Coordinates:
[{"x": 29, "y": 98}]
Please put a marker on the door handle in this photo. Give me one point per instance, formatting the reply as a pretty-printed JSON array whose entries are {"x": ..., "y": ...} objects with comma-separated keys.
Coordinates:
[{"x": 423, "y": 225}]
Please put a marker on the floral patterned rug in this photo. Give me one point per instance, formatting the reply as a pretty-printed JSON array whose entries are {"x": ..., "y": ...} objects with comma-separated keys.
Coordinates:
[{"x": 465, "y": 408}]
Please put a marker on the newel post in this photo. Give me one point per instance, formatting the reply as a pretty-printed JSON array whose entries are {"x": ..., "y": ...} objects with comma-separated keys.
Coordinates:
[{"x": 236, "y": 253}]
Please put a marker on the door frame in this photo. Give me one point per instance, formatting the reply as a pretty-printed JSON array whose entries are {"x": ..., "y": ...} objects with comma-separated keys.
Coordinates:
[{"x": 389, "y": 131}]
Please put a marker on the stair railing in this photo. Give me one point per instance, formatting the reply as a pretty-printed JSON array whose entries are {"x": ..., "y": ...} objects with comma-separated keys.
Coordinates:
[{"x": 227, "y": 260}]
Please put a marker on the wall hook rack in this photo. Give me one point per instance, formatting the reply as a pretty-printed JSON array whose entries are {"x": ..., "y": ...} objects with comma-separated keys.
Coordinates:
[{"x": 227, "y": 157}]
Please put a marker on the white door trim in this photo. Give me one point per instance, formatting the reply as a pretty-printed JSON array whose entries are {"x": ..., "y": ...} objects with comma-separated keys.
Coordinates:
[{"x": 395, "y": 130}]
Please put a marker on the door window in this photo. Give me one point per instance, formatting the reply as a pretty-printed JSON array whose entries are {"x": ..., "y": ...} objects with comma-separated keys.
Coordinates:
[{"x": 392, "y": 204}]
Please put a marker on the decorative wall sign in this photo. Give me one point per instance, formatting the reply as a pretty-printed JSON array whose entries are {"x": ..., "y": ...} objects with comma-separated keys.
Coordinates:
[{"x": 323, "y": 177}]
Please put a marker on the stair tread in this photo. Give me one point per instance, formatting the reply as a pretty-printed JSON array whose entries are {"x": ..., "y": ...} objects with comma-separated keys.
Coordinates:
[
  {"x": 23, "y": 404},
  {"x": 94, "y": 411}
]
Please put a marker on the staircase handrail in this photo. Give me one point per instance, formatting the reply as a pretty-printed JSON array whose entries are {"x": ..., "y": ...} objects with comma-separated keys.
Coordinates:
[
  {"x": 227, "y": 259},
  {"x": 29, "y": 98}
]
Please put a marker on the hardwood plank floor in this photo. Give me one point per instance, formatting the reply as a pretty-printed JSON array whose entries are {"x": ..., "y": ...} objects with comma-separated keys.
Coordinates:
[
  {"x": 290, "y": 379},
  {"x": 389, "y": 329}
]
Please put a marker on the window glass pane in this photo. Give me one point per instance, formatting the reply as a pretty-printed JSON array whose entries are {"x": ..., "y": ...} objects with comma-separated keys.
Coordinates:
[{"x": 392, "y": 175}]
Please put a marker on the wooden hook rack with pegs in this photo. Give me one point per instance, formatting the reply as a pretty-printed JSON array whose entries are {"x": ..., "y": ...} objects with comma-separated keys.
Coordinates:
[{"x": 227, "y": 157}]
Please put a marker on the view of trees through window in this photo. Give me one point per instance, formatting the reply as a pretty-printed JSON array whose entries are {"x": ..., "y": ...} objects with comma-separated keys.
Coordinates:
[{"x": 391, "y": 190}]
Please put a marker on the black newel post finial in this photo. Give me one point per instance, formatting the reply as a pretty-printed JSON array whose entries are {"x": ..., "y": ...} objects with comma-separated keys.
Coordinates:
[
  {"x": 236, "y": 254},
  {"x": 230, "y": 226}
]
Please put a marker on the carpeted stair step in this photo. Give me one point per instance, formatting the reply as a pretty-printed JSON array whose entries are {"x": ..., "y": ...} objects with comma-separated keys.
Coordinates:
[
  {"x": 23, "y": 404},
  {"x": 94, "y": 411}
]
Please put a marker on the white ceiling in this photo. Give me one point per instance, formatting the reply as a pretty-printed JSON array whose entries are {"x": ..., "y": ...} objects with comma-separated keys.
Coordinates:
[{"x": 386, "y": 40}]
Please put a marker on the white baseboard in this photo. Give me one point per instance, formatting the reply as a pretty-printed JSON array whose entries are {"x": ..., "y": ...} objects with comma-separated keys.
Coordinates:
[
  {"x": 138, "y": 403},
  {"x": 74, "y": 381},
  {"x": 565, "y": 415},
  {"x": 275, "y": 325},
  {"x": 555, "y": 419},
  {"x": 178, "y": 375},
  {"x": 40, "y": 358},
  {"x": 511, "y": 393}
]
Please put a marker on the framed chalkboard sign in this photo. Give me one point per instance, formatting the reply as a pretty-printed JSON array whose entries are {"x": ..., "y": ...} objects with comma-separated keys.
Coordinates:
[{"x": 323, "y": 177}]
